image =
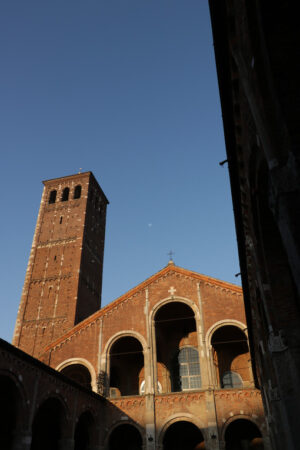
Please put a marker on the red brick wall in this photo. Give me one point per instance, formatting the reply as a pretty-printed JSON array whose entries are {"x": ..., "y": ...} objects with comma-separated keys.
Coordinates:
[{"x": 57, "y": 292}]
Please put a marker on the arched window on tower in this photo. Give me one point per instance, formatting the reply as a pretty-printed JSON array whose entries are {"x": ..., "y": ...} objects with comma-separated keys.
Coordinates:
[
  {"x": 65, "y": 195},
  {"x": 77, "y": 191},
  {"x": 52, "y": 197}
]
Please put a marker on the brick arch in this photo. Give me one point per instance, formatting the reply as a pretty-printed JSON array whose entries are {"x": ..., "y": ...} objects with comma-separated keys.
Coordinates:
[
  {"x": 83, "y": 362},
  {"x": 208, "y": 337},
  {"x": 231, "y": 419},
  {"x": 179, "y": 417},
  {"x": 55, "y": 394},
  {"x": 167, "y": 300},
  {"x": 14, "y": 413},
  {"x": 152, "y": 314},
  {"x": 125, "y": 422},
  {"x": 59, "y": 417},
  {"x": 86, "y": 427},
  {"x": 21, "y": 388},
  {"x": 224, "y": 323},
  {"x": 121, "y": 334},
  {"x": 116, "y": 337},
  {"x": 87, "y": 409}
]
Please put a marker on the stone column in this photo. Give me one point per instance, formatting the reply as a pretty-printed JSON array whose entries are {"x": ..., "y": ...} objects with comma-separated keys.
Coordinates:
[
  {"x": 150, "y": 383},
  {"x": 203, "y": 358},
  {"x": 212, "y": 426}
]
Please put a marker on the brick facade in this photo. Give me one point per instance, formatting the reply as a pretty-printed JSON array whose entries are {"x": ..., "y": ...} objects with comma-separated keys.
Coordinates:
[{"x": 169, "y": 359}]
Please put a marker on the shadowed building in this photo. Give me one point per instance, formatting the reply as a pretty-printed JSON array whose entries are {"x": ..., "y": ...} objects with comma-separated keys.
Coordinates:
[{"x": 257, "y": 54}]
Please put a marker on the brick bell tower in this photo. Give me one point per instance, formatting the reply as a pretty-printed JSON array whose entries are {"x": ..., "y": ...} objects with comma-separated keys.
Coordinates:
[{"x": 64, "y": 274}]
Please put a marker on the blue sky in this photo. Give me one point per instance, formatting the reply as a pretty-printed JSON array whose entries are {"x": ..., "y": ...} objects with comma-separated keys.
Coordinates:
[{"x": 127, "y": 89}]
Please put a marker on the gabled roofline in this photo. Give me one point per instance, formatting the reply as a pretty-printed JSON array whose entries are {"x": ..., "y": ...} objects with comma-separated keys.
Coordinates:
[{"x": 139, "y": 287}]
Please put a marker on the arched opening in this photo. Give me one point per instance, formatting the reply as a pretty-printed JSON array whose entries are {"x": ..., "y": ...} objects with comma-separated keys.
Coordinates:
[
  {"x": 178, "y": 365},
  {"x": 126, "y": 361},
  {"x": 77, "y": 191},
  {"x": 125, "y": 437},
  {"x": 84, "y": 435},
  {"x": 9, "y": 413},
  {"x": 65, "y": 195},
  {"x": 48, "y": 426},
  {"x": 241, "y": 434},
  {"x": 183, "y": 435},
  {"x": 52, "y": 196},
  {"x": 231, "y": 357},
  {"x": 78, "y": 373}
]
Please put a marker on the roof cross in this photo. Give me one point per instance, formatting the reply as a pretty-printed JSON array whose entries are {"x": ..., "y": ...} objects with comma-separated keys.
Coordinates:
[{"x": 171, "y": 253}]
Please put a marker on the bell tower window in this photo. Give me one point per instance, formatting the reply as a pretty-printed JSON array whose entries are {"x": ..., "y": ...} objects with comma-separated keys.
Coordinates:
[
  {"x": 77, "y": 191},
  {"x": 52, "y": 197},
  {"x": 65, "y": 195}
]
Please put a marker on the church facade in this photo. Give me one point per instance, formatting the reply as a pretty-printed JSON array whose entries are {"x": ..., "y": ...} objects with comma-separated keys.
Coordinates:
[{"x": 165, "y": 366}]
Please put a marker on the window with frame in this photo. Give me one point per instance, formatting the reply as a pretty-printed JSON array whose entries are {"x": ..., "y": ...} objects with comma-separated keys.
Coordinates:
[
  {"x": 231, "y": 380},
  {"x": 189, "y": 368}
]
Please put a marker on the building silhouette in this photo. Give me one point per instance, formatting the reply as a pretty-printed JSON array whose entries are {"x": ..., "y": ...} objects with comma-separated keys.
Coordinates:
[{"x": 257, "y": 54}]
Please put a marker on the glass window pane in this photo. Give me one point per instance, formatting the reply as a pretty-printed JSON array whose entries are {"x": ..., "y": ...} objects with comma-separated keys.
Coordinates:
[
  {"x": 195, "y": 382},
  {"x": 189, "y": 368},
  {"x": 184, "y": 383},
  {"x": 231, "y": 380},
  {"x": 182, "y": 357},
  {"x": 193, "y": 355},
  {"x": 194, "y": 369},
  {"x": 183, "y": 369}
]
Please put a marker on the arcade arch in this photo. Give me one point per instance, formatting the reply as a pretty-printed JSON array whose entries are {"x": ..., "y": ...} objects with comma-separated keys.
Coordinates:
[
  {"x": 183, "y": 435},
  {"x": 230, "y": 357},
  {"x": 126, "y": 366},
  {"x": 125, "y": 436},
  {"x": 243, "y": 434},
  {"x": 11, "y": 412},
  {"x": 84, "y": 437},
  {"x": 49, "y": 425},
  {"x": 79, "y": 370},
  {"x": 176, "y": 345}
]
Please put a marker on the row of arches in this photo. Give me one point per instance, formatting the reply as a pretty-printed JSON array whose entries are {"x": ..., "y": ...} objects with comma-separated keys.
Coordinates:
[
  {"x": 49, "y": 429},
  {"x": 240, "y": 434},
  {"x": 65, "y": 194},
  {"x": 178, "y": 362}
]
